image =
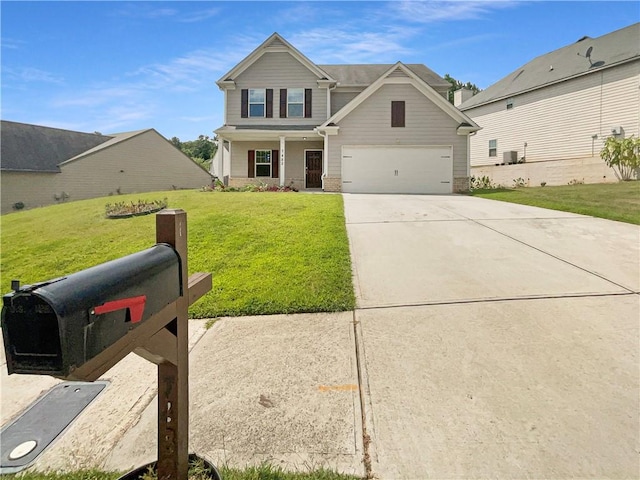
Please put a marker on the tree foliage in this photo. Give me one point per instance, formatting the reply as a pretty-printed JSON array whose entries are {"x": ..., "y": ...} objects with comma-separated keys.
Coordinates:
[
  {"x": 457, "y": 85},
  {"x": 623, "y": 155},
  {"x": 200, "y": 151}
]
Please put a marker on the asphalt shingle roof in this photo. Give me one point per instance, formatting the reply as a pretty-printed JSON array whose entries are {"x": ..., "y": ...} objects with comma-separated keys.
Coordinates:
[
  {"x": 365, "y": 74},
  {"x": 564, "y": 63},
  {"x": 34, "y": 148}
]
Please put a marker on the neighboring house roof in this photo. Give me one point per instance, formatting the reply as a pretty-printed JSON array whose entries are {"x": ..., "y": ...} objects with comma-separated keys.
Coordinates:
[
  {"x": 563, "y": 64},
  {"x": 33, "y": 148},
  {"x": 365, "y": 74},
  {"x": 389, "y": 76}
]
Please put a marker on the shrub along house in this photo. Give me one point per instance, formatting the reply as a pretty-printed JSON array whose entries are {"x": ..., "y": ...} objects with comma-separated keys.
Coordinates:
[
  {"x": 42, "y": 165},
  {"x": 548, "y": 119},
  {"x": 351, "y": 128}
]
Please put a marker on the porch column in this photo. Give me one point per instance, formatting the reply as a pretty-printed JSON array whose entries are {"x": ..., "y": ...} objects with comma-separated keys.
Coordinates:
[
  {"x": 282, "y": 175},
  {"x": 325, "y": 158}
]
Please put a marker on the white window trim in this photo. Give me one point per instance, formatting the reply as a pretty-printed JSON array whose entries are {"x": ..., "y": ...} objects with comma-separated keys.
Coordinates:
[
  {"x": 263, "y": 103},
  {"x": 295, "y": 103},
  {"x": 255, "y": 166},
  {"x": 494, "y": 148}
]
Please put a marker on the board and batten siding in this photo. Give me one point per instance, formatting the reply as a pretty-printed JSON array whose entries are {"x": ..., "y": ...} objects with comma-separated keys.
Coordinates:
[
  {"x": 276, "y": 70},
  {"x": 425, "y": 124},
  {"x": 559, "y": 121}
]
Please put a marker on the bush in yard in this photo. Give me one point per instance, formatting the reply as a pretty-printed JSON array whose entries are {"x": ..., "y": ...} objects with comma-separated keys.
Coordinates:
[{"x": 623, "y": 155}]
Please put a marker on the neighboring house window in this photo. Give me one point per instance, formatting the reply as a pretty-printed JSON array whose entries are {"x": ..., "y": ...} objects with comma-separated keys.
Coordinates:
[
  {"x": 263, "y": 163},
  {"x": 295, "y": 102},
  {"x": 256, "y": 102},
  {"x": 493, "y": 148},
  {"x": 509, "y": 104},
  {"x": 397, "y": 114}
]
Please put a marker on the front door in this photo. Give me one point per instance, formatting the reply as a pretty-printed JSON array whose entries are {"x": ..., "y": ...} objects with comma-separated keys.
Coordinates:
[{"x": 313, "y": 168}]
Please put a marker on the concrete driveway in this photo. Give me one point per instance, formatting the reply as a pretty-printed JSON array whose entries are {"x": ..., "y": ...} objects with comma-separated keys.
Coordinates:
[{"x": 495, "y": 340}]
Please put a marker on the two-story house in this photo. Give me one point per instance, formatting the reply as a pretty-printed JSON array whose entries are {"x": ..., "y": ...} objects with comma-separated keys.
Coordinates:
[{"x": 350, "y": 128}]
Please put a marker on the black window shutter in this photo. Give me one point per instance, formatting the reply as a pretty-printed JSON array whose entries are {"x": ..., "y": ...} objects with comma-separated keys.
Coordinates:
[
  {"x": 251, "y": 173},
  {"x": 283, "y": 103},
  {"x": 397, "y": 114},
  {"x": 275, "y": 162},
  {"x": 307, "y": 103},
  {"x": 244, "y": 109},
  {"x": 269, "y": 100}
]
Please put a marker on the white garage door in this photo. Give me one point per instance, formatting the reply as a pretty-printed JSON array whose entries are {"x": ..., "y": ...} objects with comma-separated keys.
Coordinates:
[{"x": 392, "y": 169}]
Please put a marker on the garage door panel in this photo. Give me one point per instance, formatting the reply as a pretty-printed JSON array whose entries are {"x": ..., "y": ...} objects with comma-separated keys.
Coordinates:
[{"x": 391, "y": 169}]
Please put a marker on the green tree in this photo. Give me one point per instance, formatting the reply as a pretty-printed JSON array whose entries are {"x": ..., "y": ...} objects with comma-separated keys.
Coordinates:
[
  {"x": 623, "y": 155},
  {"x": 457, "y": 85},
  {"x": 200, "y": 151}
]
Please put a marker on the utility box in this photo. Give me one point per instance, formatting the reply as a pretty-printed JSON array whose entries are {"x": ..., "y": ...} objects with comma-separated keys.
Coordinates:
[
  {"x": 510, "y": 157},
  {"x": 54, "y": 327}
]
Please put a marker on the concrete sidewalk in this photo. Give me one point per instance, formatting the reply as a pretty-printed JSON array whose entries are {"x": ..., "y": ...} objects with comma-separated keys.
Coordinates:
[{"x": 281, "y": 388}]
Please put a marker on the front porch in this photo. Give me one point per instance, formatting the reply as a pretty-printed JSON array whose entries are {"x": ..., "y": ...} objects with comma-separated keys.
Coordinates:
[{"x": 292, "y": 157}]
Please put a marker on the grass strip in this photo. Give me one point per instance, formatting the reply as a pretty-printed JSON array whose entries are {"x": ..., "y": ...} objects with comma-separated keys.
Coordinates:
[{"x": 613, "y": 201}]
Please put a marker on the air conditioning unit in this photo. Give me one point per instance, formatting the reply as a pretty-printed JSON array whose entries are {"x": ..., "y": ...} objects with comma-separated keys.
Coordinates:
[{"x": 510, "y": 157}]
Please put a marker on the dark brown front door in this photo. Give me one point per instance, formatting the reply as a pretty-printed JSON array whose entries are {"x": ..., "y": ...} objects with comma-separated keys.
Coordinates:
[{"x": 313, "y": 163}]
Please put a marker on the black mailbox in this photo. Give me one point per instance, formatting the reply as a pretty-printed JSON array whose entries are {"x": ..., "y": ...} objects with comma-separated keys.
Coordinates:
[{"x": 53, "y": 327}]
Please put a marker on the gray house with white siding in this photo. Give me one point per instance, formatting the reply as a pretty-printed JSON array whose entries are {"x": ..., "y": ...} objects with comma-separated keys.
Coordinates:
[
  {"x": 42, "y": 165},
  {"x": 547, "y": 120},
  {"x": 352, "y": 128}
]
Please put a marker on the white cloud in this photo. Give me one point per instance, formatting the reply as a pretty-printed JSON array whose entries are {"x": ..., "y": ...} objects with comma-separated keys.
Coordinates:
[
  {"x": 199, "y": 16},
  {"x": 448, "y": 10},
  {"x": 29, "y": 74},
  {"x": 351, "y": 46}
]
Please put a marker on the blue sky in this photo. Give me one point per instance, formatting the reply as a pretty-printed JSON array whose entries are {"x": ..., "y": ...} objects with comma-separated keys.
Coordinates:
[{"x": 121, "y": 66}]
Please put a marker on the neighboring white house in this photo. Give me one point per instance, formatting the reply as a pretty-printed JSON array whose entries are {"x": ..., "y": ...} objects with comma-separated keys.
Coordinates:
[
  {"x": 554, "y": 113},
  {"x": 351, "y": 128},
  {"x": 42, "y": 165}
]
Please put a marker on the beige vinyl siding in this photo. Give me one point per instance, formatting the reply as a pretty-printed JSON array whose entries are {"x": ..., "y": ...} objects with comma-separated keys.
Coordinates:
[
  {"x": 144, "y": 163},
  {"x": 340, "y": 99},
  {"x": 294, "y": 158},
  {"x": 370, "y": 124},
  {"x": 558, "y": 122},
  {"x": 34, "y": 189},
  {"x": 277, "y": 70}
]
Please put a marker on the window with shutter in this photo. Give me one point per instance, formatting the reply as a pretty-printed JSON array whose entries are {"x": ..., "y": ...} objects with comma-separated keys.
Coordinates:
[
  {"x": 263, "y": 163},
  {"x": 295, "y": 102},
  {"x": 397, "y": 113}
]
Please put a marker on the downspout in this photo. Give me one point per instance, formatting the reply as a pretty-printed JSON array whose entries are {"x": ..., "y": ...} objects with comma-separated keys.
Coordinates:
[{"x": 325, "y": 155}]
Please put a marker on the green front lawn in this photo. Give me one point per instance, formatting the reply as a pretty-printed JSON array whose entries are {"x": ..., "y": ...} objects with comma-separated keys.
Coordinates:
[
  {"x": 614, "y": 201},
  {"x": 268, "y": 252}
]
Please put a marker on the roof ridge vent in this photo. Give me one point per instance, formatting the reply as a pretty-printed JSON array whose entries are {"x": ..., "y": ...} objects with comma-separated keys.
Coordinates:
[{"x": 583, "y": 38}]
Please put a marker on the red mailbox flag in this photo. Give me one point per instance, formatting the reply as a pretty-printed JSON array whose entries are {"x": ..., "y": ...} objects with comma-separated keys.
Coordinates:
[{"x": 134, "y": 304}]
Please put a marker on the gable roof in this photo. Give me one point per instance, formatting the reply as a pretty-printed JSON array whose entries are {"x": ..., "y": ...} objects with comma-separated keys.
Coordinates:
[
  {"x": 399, "y": 73},
  {"x": 563, "y": 64},
  {"x": 365, "y": 74},
  {"x": 34, "y": 148},
  {"x": 275, "y": 43}
]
